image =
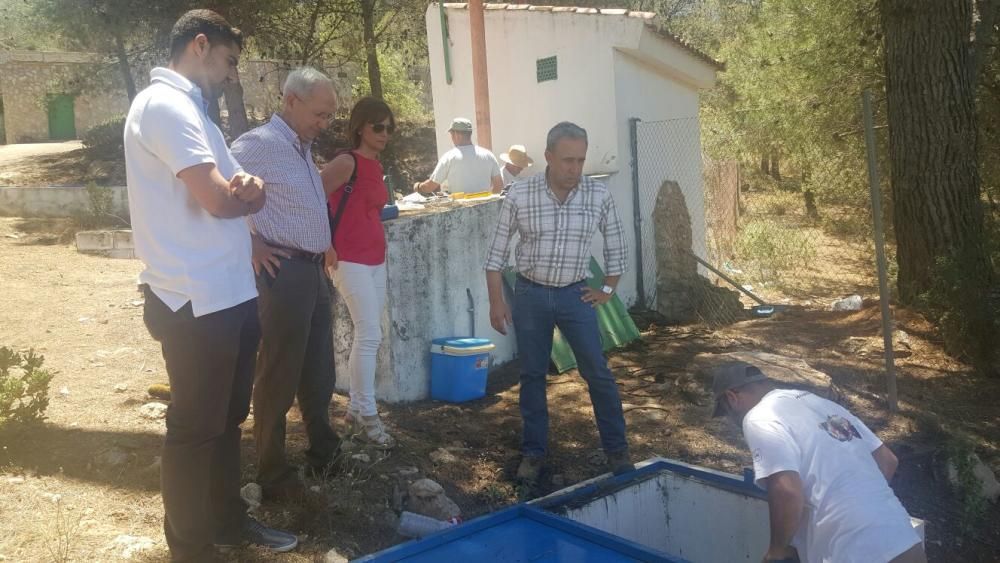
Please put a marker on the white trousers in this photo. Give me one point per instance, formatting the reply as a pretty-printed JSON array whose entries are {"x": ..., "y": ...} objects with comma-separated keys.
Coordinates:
[{"x": 363, "y": 288}]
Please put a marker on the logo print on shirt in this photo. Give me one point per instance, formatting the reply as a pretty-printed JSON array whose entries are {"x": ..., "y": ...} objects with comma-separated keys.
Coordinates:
[{"x": 840, "y": 428}]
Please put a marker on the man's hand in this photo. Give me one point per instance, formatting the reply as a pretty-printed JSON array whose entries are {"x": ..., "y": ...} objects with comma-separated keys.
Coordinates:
[
  {"x": 595, "y": 296},
  {"x": 266, "y": 256},
  {"x": 330, "y": 261},
  {"x": 500, "y": 316},
  {"x": 247, "y": 188}
]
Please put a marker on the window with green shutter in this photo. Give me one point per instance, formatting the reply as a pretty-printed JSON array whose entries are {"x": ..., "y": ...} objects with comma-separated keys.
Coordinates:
[{"x": 546, "y": 69}]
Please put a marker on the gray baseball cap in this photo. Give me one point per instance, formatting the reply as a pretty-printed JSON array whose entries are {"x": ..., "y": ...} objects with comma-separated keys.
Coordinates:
[
  {"x": 461, "y": 125},
  {"x": 732, "y": 375}
]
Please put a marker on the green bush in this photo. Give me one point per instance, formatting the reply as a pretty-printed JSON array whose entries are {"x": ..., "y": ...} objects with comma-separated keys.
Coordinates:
[
  {"x": 767, "y": 249},
  {"x": 24, "y": 387},
  {"x": 106, "y": 141}
]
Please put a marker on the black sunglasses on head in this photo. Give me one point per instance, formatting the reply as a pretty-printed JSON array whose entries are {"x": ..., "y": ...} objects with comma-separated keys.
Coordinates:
[{"x": 379, "y": 127}]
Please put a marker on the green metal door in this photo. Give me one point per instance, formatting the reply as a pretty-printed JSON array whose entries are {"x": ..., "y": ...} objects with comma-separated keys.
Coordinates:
[{"x": 62, "y": 120}]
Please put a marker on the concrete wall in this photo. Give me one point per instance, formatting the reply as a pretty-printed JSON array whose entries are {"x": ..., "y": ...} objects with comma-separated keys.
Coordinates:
[
  {"x": 433, "y": 257},
  {"x": 52, "y": 201},
  {"x": 26, "y": 79}
]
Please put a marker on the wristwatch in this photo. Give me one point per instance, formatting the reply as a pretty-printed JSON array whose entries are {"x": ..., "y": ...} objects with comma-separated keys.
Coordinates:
[{"x": 607, "y": 290}]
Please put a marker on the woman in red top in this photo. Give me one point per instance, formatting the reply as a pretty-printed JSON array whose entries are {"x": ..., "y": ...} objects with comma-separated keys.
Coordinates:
[{"x": 357, "y": 260}]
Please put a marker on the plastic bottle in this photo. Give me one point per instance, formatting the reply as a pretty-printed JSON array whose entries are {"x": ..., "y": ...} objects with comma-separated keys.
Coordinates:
[{"x": 417, "y": 525}]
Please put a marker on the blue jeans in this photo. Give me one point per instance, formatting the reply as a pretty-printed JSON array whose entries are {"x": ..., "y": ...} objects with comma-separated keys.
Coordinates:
[{"x": 537, "y": 311}]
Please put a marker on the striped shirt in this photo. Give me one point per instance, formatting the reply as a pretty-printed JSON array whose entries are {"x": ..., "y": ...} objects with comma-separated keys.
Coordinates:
[
  {"x": 294, "y": 215},
  {"x": 556, "y": 238}
]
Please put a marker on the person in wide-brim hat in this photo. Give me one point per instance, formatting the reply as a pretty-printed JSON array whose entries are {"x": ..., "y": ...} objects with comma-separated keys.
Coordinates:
[{"x": 515, "y": 160}]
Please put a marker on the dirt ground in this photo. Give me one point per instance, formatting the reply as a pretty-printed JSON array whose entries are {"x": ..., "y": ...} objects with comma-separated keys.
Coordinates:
[{"x": 61, "y": 499}]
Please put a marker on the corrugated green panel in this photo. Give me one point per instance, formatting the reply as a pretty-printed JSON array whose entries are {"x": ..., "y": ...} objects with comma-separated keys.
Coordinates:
[
  {"x": 546, "y": 69},
  {"x": 616, "y": 325}
]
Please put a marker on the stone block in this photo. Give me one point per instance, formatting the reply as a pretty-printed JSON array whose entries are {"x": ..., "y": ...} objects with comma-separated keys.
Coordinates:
[
  {"x": 94, "y": 241},
  {"x": 123, "y": 239}
]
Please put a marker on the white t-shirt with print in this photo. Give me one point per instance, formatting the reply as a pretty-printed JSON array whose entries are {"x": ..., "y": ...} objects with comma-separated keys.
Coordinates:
[
  {"x": 851, "y": 515},
  {"x": 190, "y": 255},
  {"x": 468, "y": 168}
]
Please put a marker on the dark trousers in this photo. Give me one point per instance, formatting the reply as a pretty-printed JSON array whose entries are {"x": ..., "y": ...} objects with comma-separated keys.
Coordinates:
[
  {"x": 538, "y": 310},
  {"x": 210, "y": 364},
  {"x": 296, "y": 359}
]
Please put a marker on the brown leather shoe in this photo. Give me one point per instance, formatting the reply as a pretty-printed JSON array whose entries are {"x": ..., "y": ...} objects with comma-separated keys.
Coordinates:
[
  {"x": 530, "y": 468},
  {"x": 620, "y": 462}
]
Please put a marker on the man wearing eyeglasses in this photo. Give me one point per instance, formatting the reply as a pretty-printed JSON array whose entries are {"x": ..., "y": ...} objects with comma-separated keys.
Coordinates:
[
  {"x": 826, "y": 474},
  {"x": 290, "y": 236},
  {"x": 466, "y": 168}
]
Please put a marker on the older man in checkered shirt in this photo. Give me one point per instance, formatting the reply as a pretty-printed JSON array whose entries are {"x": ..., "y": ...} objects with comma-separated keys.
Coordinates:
[
  {"x": 290, "y": 235},
  {"x": 556, "y": 215}
]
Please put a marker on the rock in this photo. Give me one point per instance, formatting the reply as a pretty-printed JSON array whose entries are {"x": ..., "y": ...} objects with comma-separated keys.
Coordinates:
[
  {"x": 153, "y": 411},
  {"x": 252, "y": 494},
  {"x": 849, "y": 303},
  {"x": 407, "y": 473},
  {"x": 15, "y": 480},
  {"x": 316, "y": 489},
  {"x": 132, "y": 545},
  {"x": 64, "y": 391},
  {"x": 558, "y": 481},
  {"x": 426, "y": 488},
  {"x": 427, "y": 497},
  {"x": 989, "y": 488},
  {"x": 684, "y": 295},
  {"x": 786, "y": 372},
  {"x": 390, "y": 519},
  {"x": 597, "y": 458},
  {"x": 121, "y": 388},
  {"x": 111, "y": 458},
  {"x": 362, "y": 457},
  {"x": 441, "y": 456},
  {"x": 333, "y": 556}
]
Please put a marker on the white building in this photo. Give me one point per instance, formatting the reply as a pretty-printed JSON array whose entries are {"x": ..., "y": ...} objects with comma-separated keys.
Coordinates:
[{"x": 597, "y": 68}]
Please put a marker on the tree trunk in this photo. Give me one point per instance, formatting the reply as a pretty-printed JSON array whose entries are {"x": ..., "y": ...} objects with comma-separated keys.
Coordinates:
[
  {"x": 123, "y": 66},
  {"x": 765, "y": 164},
  {"x": 238, "y": 122},
  {"x": 775, "y": 166},
  {"x": 374, "y": 71},
  {"x": 932, "y": 137}
]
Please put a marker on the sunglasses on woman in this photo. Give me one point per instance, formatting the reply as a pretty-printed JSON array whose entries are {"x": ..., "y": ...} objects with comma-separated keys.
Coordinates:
[{"x": 379, "y": 127}]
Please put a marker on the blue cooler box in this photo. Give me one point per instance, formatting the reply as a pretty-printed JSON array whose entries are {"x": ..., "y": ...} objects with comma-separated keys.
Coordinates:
[{"x": 459, "y": 367}]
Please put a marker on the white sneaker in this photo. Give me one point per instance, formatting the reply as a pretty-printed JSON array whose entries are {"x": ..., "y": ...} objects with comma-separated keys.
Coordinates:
[{"x": 374, "y": 432}]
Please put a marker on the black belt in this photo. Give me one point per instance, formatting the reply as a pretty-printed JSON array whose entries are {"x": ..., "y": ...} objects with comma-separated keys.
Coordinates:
[
  {"x": 299, "y": 254},
  {"x": 542, "y": 285}
]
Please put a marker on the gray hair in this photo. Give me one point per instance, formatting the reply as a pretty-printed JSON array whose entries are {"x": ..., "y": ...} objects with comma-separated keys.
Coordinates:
[
  {"x": 564, "y": 130},
  {"x": 302, "y": 80}
]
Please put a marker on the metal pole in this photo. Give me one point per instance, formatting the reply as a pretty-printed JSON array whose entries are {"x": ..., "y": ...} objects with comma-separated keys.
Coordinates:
[
  {"x": 445, "y": 42},
  {"x": 883, "y": 283},
  {"x": 640, "y": 282},
  {"x": 480, "y": 77},
  {"x": 731, "y": 281}
]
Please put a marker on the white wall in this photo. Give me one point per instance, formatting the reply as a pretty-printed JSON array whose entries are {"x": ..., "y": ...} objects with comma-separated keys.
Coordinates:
[
  {"x": 522, "y": 109},
  {"x": 670, "y": 150},
  {"x": 610, "y": 68}
]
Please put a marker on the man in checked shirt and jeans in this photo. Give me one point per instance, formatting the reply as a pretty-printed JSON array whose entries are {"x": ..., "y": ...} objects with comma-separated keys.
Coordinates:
[
  {"x": 556, "y": 215},
  {"x": 290, "y": 235}
]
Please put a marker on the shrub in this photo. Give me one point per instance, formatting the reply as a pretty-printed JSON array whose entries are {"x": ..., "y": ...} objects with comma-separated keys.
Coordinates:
[
  {"x": 106, "y": 141},
  {"x": 24, "y": 387},
  {"x": 767, "y": 249}
]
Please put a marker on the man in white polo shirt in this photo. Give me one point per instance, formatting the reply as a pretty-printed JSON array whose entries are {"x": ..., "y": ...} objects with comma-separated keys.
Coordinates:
[
  {"x": 826, "y": 474},
  {"x": 188, "y": 199},
  {"x": 467, "y": 168}
]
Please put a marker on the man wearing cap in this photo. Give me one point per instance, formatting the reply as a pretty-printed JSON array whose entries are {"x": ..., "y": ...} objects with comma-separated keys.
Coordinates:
[
  {"x": 466, "y": 168},
  {"x": 515, "y": 160},
  {"x": 826, "y": 474}
]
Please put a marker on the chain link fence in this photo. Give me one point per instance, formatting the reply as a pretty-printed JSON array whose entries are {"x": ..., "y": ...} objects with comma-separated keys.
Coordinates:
[{"x": 720, "y": 236}]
